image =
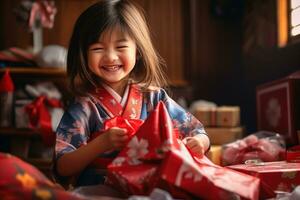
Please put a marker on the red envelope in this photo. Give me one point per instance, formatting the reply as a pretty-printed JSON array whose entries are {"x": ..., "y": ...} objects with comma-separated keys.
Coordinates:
[{"x": 154, "y": 157}]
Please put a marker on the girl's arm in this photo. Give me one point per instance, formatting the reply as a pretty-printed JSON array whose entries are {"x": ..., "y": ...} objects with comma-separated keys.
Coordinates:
[
  {"x": 193, "y": 131},
  {"x": 75, "y": 161}
]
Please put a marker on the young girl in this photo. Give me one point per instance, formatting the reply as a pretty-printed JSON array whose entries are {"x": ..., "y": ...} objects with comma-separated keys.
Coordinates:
[{"x": 114, "y": 70}]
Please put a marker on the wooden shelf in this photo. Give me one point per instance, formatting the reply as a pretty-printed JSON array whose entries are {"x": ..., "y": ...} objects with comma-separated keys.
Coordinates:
[
  {"x": 19, "y": 132},
  {"x": 35, "y": 70}
]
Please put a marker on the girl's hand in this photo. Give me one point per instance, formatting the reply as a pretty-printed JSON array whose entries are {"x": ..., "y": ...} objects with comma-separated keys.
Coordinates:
[
  {"x": 116, "y": 138},
  {"x": 195, "y": 144}
]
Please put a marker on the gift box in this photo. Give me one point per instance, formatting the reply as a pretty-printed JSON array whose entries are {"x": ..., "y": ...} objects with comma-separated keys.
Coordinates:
[
  {"x": 220, "y": 136},
  {"x": 223, "y": 116},
  {"x": 42, "y": 114},
  {"x": 277, "y": 108},
  {"x": 207, "y": 116},
  {"x": 274, "y": 176},
  {"x": 154, "y": 157},
  {"x": 228, "y": 116}
]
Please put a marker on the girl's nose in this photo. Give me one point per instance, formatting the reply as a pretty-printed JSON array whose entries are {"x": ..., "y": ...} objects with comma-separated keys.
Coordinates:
[{"x": 111, "y": 56}]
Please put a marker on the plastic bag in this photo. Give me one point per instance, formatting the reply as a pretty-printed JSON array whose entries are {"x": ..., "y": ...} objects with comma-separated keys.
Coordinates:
[{"x": 262, "y": 146}]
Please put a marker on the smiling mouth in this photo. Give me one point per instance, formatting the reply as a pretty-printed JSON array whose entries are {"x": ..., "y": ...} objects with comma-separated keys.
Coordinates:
[{"x": 112, "y": 68}]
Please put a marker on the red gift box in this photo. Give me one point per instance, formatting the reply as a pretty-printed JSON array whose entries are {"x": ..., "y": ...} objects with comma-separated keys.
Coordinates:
[
  {"x": 154, "y": 157},
  {"x": 277, "y": 108},
  {"x": 274, "y": 176}
]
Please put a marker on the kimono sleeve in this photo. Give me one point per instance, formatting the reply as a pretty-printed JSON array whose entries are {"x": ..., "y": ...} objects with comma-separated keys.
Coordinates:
[
  {"x": 184, "y": 121},
  {"x": 73, "y": 129}
]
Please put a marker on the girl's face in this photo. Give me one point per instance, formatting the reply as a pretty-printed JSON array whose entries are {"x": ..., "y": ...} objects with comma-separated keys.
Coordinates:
[{"x": 113, "y": 57}]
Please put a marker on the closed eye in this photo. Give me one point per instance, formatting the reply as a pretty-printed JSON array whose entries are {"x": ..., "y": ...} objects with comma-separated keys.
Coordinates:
[
  {"x": 96, "y": 49},
  {"x": 121, "y": 47}
]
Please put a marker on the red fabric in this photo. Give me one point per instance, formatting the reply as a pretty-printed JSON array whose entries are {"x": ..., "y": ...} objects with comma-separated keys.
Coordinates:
[
  {"x": 155, "y": 158},
  {"x": 133, "y": 105},
  {"x": 6, "y": 83},
  {"x": 40, "y": 117},
  {"x": 20, "y": 180}
]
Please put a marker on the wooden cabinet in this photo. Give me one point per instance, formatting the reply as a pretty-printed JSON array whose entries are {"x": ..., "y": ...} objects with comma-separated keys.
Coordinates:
[{"x": 27, "y": 143}]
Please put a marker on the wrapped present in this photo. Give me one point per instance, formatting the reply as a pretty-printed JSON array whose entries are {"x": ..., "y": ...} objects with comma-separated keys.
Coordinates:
[
  {"x": 20, "y": 180},
  {"x": 277, "y": 107},
  {"x": 220, "y": 136},
  {"x": 214, "y": 154},
  {"x": 274, "y": 176},
  {"x": 228, "y": 116},
  {"x": 262, "y": 146},
  {"x": 154, "y": 157},
  {"x": 43, "y": 114}
]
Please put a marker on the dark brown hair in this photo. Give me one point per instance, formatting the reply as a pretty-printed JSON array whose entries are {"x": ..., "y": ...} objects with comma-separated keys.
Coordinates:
[{"x": 107, "y": 15}]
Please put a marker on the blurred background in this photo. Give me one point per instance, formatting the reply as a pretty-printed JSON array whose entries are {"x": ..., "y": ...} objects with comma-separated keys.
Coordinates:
[{"x": 215, "y": 50}]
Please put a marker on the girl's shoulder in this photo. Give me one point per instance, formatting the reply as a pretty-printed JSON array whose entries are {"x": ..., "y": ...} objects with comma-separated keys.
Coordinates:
[{"x": 81, "y": 102}]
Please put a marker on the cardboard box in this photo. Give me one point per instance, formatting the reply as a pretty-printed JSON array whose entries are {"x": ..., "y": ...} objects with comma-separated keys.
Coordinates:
[
  {"x": 223, "y": 116},
  {"x": 207, "y": 116},
  {"x": 274, "y": 176},
  {"x": 228, "y": 116},
  {"x": 220, "y": 136},
  {"x": 278, "y": 107}
]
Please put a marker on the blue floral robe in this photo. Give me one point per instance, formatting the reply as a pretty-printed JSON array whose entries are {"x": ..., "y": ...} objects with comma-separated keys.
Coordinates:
[{"x": 86, "y": 116}]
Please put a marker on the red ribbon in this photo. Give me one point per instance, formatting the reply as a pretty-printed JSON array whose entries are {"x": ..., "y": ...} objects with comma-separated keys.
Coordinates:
[
  {"x": 40, "y": 118},
  {"x": 131, "y": 126},
  {"x": 293, "y": 154}
]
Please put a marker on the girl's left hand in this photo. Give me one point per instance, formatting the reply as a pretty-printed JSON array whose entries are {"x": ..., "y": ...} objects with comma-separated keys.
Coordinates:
[{"x": 195, "y": 145}]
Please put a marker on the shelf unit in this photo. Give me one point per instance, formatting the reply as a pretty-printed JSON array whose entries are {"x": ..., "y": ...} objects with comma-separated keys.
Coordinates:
[{"x": 19, "y": 141}]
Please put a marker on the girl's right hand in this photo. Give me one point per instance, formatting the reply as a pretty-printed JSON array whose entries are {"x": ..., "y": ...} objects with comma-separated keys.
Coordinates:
[{"x": 116, "y": 138}]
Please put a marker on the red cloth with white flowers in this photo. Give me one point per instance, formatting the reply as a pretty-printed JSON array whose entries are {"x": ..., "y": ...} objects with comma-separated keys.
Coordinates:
[{"x": 154, "y": 157}]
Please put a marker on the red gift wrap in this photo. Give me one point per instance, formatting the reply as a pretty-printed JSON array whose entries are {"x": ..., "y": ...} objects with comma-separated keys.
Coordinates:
[
  {"x": 274, "y": 176},
  {"x": 154, "y": 157}
]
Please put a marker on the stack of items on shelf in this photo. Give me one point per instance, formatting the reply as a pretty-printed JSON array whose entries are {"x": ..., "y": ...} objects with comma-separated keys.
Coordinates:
[
  {"x": 37, "y": 107},
  {"x": 222, "y": 124},
  {"x": 16, "y": 57}
]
